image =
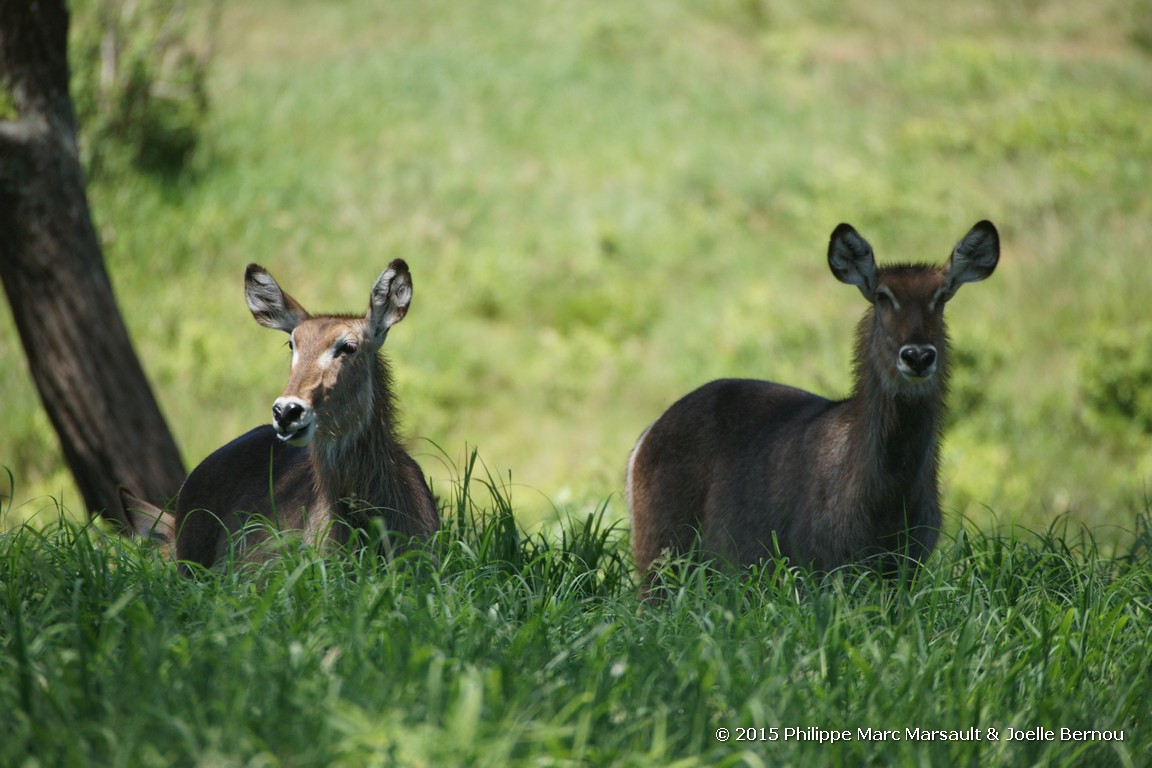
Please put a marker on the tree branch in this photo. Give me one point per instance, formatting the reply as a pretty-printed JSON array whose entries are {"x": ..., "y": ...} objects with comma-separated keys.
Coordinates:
[
  {"x": 35, "y": 31},
  {"x": 17, "y": 135},
  {"x": 81, "y": 358},
  {"x": 17, "y": 139},
  {"x": 13, "y": 134}
]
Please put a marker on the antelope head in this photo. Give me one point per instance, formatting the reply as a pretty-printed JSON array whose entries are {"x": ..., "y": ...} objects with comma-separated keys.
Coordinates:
[
  {"x": 330, "y": 389},
  {"x": 906, "y": 337}
]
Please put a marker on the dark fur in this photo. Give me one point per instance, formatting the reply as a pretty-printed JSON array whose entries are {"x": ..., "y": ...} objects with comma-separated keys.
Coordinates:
[
  {"x": 353, "y": 474},
  {"x": 230, "y": 488},
  {"x": 742, "y": 465}
]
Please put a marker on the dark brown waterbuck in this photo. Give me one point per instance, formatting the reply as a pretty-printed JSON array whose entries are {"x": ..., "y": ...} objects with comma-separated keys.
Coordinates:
[
  {"x": 331, "y": 462},
  {"x": 740, "y": 466}
]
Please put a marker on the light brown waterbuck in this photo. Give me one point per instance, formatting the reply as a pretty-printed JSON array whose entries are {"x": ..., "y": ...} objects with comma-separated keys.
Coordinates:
[
  {"x": 331, "y": 463},
  {"x": 740, "y": 466}
]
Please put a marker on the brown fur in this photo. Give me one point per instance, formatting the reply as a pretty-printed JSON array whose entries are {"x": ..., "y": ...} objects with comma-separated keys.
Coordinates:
[
  {"x": 149, "y": 522},
  {"x": 739, "y": 466},
  {"x": 350, "y": 469}
]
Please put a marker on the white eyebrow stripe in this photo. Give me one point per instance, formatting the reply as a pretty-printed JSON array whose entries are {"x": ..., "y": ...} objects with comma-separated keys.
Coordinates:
[
  {"x": 329, "y": 355},
  {"x": 888, "y": 292},
  {"x": 935, "y": 298}
]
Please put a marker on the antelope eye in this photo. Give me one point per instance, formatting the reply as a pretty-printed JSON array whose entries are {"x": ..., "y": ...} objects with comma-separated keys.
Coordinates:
[{"x": 346, "y": 348}]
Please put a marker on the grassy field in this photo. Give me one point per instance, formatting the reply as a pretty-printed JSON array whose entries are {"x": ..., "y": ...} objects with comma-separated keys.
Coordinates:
[
  {"x": 606, "y": 205},
  {"x": 516, "y": 649}
]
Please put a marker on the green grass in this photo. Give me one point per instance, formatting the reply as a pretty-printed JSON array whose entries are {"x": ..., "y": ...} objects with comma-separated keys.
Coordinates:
[
  {"x": 606, "y": 205},
  {"x": 517, "y": 648}
]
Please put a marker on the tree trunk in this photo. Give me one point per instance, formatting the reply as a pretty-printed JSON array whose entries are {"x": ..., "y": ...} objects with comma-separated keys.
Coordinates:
[{"x": 85, "y": 369}]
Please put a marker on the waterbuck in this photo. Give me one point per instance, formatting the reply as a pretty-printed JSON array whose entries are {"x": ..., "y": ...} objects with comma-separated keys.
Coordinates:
[
  {"x": 741, "y": 466},
  {"x": 331, "y": 462}
]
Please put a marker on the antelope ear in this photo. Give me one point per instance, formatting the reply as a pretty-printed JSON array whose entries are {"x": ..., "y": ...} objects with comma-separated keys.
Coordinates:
[
  {"x": 974, "y": 258},
  {"x": 851, "y": 260},
  {"x": 147, "y": 521},
  {"x": 271, "y": 307},
  {"x": 391, "y": 296}
]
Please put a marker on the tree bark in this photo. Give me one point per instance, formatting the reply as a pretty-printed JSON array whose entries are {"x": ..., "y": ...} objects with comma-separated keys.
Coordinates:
[{"x": 90, "y": 381}]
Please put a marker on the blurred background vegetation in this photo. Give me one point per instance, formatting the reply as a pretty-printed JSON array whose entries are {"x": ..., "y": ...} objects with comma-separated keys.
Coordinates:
[
  {"x": 605, "y": 205},
  {"x": 139, "y": 83}
]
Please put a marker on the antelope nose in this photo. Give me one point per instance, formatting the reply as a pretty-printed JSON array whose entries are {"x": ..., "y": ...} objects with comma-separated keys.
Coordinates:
[
  {"x": 286, "y": 413},
  {"x": 918, "y": 360}
]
